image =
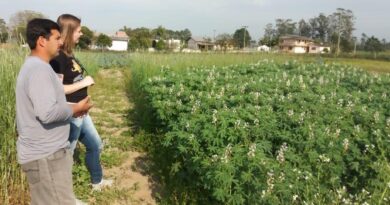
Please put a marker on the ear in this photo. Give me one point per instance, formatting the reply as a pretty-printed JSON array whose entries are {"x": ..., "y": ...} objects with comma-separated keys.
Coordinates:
[{"x": 41, "y": 42}]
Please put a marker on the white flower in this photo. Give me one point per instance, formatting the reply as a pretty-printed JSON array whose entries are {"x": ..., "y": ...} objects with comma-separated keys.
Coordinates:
[
  {"x": 388, "y": 122},
  {"x": 290, "y": 113},
  {"x": 288, "y": 83},
  {"x": 324, "y": 158},
  {"x": 338, "y": 132},
  {"x": 323, "y": 98},
  {"x": 376, "y": 116},
  {"x": 346, "y": 144},
  {"x": 214, "y": 158},
  {"x": 295, "y": 197},
  {"x": 357, "y": 128},
  {"x": 281, "y": 152},
  {"x": 252, "y": 150},
  {"x": 237, "y": 123}
]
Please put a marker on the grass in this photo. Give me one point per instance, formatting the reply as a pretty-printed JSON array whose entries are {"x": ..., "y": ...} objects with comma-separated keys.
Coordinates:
[{"x": 12, "y": 182}]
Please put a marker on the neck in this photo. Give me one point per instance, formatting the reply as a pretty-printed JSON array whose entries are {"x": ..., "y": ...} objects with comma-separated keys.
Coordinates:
[{"x": 40, "y": 55}]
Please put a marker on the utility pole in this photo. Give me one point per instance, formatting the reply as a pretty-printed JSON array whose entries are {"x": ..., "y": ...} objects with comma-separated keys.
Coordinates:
[
  {"x": 245, "y": 27},
  {"x": 214, "y": 35}
]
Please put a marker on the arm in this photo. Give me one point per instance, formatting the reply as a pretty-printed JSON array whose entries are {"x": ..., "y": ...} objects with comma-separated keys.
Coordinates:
[
  {"x": 59, "y": 66},
  {"x": 47, "y": 107},
  {"x": 81, "y": 107},
  {"x": 87, "y": 81}
]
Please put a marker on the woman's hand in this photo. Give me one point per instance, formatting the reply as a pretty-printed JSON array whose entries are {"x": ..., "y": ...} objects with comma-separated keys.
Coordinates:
[{"x": 88, "y": 81}]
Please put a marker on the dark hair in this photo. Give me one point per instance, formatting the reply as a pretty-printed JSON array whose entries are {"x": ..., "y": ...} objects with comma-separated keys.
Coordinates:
[{"x": 39, "y": 27}]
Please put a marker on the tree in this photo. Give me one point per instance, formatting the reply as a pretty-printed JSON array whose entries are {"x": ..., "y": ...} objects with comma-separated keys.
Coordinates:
[
  {"x": 103, "y": 41},
  {"x": 140, "y": 38},
  {"x": 285, "y": 27},
  {"x": 242, "y": 37},
  {"x": 160, "y": 33},
  {"x": 342, "y": 24},
  {"x": 363, "y": 41},
  {"x": 3, "y": 31},
  {"x": 304, "y": 28},
  {"x": 160, "y": 45},
  {"x": 373, "y": 45},
  {"x": 86, "y": 38},
  {"x": 270, "y": 38},
  {"x": 18, "y": 23},
  {"x": 320, "y": 28},
  {"x": 224, "y": 41},
  {"x": 185, "y": 34},
  {"x": 182, "y": 35}
]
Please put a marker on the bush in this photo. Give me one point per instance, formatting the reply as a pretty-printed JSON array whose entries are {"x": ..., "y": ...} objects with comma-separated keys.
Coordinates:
[{"x": 271, "y": 133}]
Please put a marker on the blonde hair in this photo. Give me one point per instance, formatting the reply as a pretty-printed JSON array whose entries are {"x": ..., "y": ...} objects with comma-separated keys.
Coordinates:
[{"x": 68, "y": 25}]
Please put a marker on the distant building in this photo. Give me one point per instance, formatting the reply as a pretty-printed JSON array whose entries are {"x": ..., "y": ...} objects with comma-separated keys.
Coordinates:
[
  {"x": 120, "y": 41},
  {"x": 174, "y": 44},
  {"x": 264, "y": 48},
  {"x": 300, "y": 44},
  {"x": 171, "y": 44},
  {"x": 200, "y": 43},
  {"x": 319, "y": 49}
]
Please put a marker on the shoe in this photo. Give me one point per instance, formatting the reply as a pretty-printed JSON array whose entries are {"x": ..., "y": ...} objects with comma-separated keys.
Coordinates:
[
  {"x": 78, "y": 202},
  {"x": 102, "y": 184}
]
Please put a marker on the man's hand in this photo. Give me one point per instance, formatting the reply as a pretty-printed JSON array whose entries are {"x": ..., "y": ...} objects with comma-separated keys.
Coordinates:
[
  {"x": 88, "y": 81},
  {"x": 82, "y": 107}
]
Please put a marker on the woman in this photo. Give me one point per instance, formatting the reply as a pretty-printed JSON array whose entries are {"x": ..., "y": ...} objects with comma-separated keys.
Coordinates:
[{"x": 76, "y": 88}]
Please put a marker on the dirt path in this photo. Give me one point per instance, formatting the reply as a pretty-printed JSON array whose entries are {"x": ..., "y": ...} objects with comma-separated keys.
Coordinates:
[{"x": 121, "y": 161}]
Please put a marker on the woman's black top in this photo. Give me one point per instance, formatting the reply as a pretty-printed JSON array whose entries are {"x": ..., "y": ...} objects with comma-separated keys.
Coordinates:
[{"x": 73, "y": 72}]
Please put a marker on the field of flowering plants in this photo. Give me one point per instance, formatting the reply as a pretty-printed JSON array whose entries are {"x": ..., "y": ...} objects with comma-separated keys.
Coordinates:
[{"x": 272, "y": 133}]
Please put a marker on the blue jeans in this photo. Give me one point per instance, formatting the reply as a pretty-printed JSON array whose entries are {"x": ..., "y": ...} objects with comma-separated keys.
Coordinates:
[{"x": 83, "y": 129}]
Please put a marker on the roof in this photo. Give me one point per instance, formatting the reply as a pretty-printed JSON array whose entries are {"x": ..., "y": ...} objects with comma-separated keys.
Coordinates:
[
  {"x": 321, "y": 45},
  {"x": 114, "y": 38},
  {"x": 198, "y": 39},
  {"x": 296, "y": 37},
  {"x": 201, "y": 40},
  {"x": 120, "y": 36}
]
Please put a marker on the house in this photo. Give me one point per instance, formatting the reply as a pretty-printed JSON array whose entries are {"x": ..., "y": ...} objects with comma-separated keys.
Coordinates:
[
  {"x": 120, "y": 41},
  {"x": 300, "y": 44},
  {"x": 200, "y": 43},
  {"x": 318, "y": 48},
  {"x": 295, "y": 44},
  {"x": 264, "y": 48},
  {"x": 172, "y": 44}
]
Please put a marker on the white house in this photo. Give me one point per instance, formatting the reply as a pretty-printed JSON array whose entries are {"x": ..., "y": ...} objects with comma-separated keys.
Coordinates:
[
  {"x": 319, "y": 49},
  {"x": 172, "y": 44},
  {"x": 263, "y": 48},
  {"x": 300, "y": 44},
  {"x": 120, "y": 41}
]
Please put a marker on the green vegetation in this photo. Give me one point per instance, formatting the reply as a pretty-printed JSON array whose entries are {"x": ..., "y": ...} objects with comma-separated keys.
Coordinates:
[
  {"x": 136, "y": 68},
  {"x": 12, "y": 183},
  {"x": 271, "y": 133}
]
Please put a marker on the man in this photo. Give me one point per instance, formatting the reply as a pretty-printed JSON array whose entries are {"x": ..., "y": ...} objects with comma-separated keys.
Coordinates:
[{"x": 42, "y": 116}]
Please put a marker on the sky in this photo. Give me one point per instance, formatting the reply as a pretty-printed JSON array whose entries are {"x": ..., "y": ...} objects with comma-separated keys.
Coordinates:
[{"x": 205, "y": 17}]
